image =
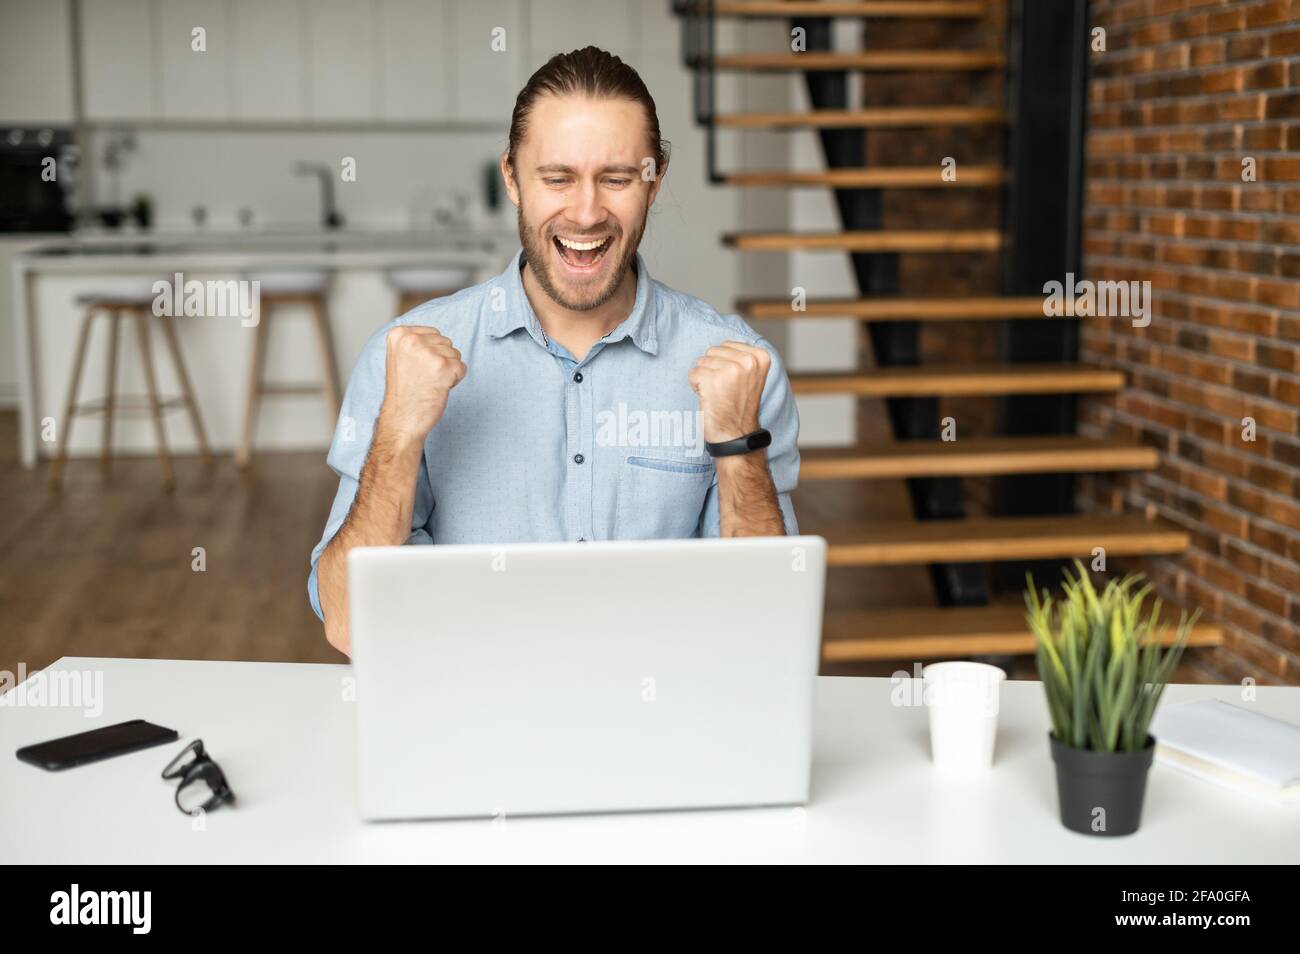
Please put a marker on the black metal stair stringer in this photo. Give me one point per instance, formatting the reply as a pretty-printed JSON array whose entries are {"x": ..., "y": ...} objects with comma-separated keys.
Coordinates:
[
  {"x": 894, "y": 343},
  {"x": 1046, "y": 103}
]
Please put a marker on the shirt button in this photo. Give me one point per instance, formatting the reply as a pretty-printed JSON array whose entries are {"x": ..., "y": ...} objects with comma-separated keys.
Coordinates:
[
  {"x": 577, "y": 378},
  {"x": 578, "y": 458}
]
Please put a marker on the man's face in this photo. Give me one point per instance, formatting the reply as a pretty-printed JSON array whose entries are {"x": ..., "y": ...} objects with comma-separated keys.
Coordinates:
[{"x": 581, "y": 196}]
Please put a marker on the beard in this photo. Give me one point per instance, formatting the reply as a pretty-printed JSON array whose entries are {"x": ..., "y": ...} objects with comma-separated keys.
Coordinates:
[{"x": 588, "y": 295}]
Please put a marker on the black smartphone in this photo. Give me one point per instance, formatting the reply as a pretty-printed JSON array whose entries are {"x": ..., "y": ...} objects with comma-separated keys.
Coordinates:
[{"x": 96, "y": 744}]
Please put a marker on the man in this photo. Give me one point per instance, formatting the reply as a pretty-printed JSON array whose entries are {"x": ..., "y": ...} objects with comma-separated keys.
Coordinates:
[{"x": 571, "y": 397}]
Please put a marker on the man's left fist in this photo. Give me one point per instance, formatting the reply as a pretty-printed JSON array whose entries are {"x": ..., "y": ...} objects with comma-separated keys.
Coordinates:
[{"x": 729, "y": 380}]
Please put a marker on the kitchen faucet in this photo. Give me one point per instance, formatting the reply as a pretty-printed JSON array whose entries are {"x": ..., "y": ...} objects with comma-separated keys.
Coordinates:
[{"x": 330, "y": 216}]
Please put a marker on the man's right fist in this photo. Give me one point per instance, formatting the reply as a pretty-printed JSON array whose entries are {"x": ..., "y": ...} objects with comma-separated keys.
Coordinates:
[{"x": 422, "y": 368}]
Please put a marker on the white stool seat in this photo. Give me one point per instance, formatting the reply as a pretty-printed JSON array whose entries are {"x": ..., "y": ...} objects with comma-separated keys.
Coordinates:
[
  {"x": 289, "y": 281},
  {"x": 121, "y": 291},
  {"x": 429, "y": 278}
]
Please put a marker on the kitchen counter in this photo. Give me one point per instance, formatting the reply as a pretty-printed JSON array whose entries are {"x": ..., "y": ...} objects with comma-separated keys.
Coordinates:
[
  {"x": 51, "y": 273},
  {"x": 147, "y": 252}
]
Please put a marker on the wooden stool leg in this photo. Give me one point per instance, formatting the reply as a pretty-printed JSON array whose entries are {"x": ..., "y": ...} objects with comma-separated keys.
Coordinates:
[
  {"x": 69, "y": 408},
  {"x": 110, "y": 395},
  {"x": 324, "y": 338},
  {"x": 187, "y": 390},
  {"x": 244, "y": 453},
  {"x": 151, "y": 385}
]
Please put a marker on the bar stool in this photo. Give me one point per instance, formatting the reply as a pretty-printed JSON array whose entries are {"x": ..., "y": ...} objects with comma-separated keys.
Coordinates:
[
  {"x": 416, "y": 284},
  {"x": 303, "y": 286},
  {"x": 134, "y": 302}
]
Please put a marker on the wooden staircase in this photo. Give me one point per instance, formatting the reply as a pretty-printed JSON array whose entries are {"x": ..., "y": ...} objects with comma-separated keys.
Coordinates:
[
  {"x": 879, "y": 118},
  {"x": 943, "y": 536},
  {"x": 858, "y": 636},
  {"x": 878, "y": 240},
  {"x": 895, "y": 177},
  {"x": 894, "y": 309},
  {"x": 972, "y": 9},
  {"x": 885, "y": 60}
]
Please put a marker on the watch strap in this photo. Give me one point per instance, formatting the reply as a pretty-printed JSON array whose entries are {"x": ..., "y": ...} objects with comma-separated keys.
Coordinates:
[{"x": 756, "y": 440}]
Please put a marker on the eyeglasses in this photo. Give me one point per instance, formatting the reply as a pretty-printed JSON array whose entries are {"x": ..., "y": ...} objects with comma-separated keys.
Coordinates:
[{"x": 202, "y": 776}]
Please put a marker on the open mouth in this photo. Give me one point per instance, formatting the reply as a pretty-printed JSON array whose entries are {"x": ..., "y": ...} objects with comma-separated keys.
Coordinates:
[{"x": 582, "y": 256}]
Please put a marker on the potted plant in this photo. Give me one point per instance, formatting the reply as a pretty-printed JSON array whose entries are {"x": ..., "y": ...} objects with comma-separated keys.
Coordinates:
[{"x": 1103, "y": 673}]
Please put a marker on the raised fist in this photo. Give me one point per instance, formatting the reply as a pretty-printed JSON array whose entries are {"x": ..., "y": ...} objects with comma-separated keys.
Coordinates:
[
  {"x": 729, "y": 380},
  {"x": 422, "y": 368}
]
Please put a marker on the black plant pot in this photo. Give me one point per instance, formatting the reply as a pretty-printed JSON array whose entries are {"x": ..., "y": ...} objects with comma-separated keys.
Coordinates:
[{"x": 1114, "y": 782}]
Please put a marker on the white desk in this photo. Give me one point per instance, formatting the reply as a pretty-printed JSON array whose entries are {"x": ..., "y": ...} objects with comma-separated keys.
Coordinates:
[{"x": 284, "y": 736}]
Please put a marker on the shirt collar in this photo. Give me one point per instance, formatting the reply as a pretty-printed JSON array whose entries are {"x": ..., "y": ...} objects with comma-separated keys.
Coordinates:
[{"x": 515, "y": 311}]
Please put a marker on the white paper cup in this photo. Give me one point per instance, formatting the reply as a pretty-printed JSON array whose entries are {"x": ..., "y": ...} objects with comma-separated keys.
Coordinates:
[{"x": 963, "y": 701}]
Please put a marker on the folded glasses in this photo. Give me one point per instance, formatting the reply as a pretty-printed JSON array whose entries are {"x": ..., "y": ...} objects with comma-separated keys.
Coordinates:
[{"x": 203, "y": 785}]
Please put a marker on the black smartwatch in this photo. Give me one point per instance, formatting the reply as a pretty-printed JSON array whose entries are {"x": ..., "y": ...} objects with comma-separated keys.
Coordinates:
[{"x": 740, "y": 445}]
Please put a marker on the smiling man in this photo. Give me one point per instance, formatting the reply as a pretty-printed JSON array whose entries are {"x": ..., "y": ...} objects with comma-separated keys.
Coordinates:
[{"x": 485, "y": 417}]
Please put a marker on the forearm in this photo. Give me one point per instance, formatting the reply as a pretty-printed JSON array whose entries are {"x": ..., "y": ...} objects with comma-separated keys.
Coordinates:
[
  {"x": 747, "y": 501},
  {"x": 380, "y": 516}
]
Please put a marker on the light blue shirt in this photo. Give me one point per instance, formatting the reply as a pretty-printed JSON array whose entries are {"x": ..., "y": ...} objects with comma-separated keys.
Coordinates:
[{"x": 537, "y": 446}]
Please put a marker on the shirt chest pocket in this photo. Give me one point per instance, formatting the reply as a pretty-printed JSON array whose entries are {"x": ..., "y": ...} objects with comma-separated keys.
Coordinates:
[{"x": 661, "y": 497}]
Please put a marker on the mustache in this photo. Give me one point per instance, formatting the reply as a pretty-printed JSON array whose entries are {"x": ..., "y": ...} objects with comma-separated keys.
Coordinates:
[{"x": 578, "y": 237}]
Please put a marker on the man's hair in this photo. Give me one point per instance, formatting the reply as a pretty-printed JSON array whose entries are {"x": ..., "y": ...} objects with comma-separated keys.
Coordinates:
[{"x": 593, "y": 72}]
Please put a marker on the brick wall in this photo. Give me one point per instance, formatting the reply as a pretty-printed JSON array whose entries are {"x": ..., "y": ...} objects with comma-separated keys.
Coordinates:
[{"x": 1185, "y": 91}]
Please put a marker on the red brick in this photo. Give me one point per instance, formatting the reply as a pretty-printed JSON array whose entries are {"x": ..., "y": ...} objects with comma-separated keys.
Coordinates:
[{"x": 1191, "y": 89}]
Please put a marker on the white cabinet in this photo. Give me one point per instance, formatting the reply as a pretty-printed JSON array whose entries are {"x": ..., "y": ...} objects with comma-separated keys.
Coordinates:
[
  {"x": 118, "y": 49},
  {"x": 269, "y": 72},
  {"x": 489, "y": 50},
  {"x": 342, "y": 59},
  {"x": 193, "y": 45},
  {"x": 416, "y": 68},
  {"x": 35, "y": 63},
  {"x": 309, "y": 60}
]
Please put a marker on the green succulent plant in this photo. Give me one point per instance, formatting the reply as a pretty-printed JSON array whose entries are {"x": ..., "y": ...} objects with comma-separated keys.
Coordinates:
[{"x": 1100, "y": 661}]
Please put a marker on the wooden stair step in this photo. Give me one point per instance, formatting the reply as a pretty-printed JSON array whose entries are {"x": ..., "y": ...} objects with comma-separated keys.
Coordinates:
[
  {"x": 964, "y": 380},
  {"x": 906, "y": 543},
  {"x": 885, "y": 117},
  {"x": 894, "y": 309},
  {"x": 878, "y": 177},
  {"x": 975, "y": 456},
  {"x": 873, "y": 240},
  {"x": 936, "y": 633},
  {"x": 873, "y": 60},
  {"x": 936, "y": 9}
]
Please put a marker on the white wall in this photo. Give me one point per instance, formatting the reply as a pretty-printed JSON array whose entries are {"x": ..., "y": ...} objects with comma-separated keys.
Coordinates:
[{"x": 227, "y": 170}]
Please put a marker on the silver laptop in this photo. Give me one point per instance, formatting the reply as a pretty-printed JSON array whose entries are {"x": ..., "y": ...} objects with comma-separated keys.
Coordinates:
[{"x": 547, "y": 678}]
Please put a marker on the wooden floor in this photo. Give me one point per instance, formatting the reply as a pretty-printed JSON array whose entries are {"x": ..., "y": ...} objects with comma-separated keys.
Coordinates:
[{"x": 104, "y": 569}]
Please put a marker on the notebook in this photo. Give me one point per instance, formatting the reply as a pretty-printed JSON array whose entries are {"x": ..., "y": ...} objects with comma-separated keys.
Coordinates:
[{"x": 1231, "y": 746}]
